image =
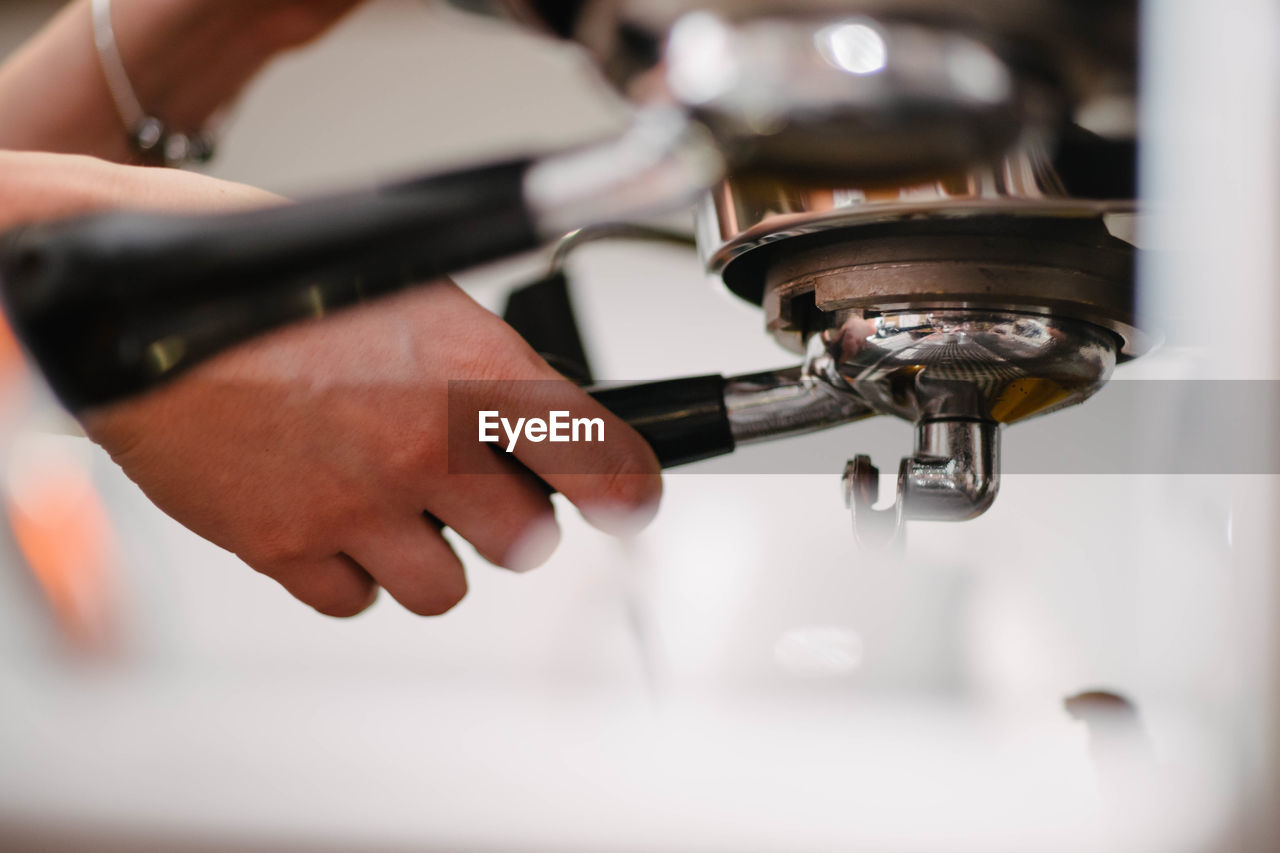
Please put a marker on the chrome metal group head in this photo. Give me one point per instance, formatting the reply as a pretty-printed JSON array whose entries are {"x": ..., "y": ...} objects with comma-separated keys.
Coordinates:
[{"x": 961, "y": 305}]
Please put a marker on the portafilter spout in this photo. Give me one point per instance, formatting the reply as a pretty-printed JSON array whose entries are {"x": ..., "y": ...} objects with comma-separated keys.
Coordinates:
[
  {"x": 954, "y": 475},
  {"x": 960, "y": 375}
]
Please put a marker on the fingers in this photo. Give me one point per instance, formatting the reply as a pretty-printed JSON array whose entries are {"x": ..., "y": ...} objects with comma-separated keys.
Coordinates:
[
  {"x": 335, "y": 586},
  {"x": 617, "y": 485},
  {"x": 46, "y": 186},
  {"x": 414, "y": 564},
  {"x": 610, "y": 473},
  {"x": 501, "y": 510},
  {"x": 594, "y": 458}
]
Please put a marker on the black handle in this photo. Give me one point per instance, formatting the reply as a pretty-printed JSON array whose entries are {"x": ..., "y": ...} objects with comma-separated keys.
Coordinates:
[
  {"x": 109, "y": 304},
  {"x": 684, "y": 420}
]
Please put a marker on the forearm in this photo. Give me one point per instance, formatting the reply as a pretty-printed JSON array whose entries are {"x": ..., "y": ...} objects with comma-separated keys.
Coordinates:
[{"x": 185, "y": 59}]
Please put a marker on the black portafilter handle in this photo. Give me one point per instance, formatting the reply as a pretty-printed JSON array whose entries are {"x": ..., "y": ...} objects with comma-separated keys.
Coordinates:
[{"x": 113, "y": 304}]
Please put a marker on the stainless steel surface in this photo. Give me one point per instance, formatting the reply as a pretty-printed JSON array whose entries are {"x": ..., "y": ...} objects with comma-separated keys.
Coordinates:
[
  {"x": 844, "y": 95},
  {"x": 954, "y": 475},
  {"x": 1088, "y": 47},
  {"x": 744, "y": 214},
  {"x": 661, "y": 163},
  {"x": 871, "y": 88},
  {"x": 959, "y": 375},
  {"x": 1089, "y": 50},
  {"x": 993, "y": 366},
  {"x": 1067, "y": 268},
  {"x": 955, "y": 472},
  {"x": 780, "y": 403},
  {"x": 619, "y": 231}
]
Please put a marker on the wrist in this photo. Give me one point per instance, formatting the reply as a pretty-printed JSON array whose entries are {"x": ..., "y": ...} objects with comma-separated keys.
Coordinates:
[{"x": 187, "y": 59}]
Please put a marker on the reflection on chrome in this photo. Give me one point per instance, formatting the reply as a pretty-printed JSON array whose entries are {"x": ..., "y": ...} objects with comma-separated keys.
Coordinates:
[
  {"x": 959, "y": 375},
  {"x": 978, "y": 72},
  {"x": 1000, "y": 367},
  {"x": 854, "y": 47},
  {"x": 741, "y": 215},
  {"x": 789, "y": 94}
]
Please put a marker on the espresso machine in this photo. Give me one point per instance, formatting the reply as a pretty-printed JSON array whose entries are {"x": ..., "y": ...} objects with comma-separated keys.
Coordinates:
[
  {"x": 929, "y": 204},
  {"x": 920, "y": 196}
]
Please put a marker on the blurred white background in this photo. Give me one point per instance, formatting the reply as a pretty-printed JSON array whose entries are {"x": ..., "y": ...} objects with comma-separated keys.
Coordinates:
[{"x": 739, "y": 678}]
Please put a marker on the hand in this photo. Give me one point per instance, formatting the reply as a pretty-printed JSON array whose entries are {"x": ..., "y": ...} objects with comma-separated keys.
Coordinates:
[{"x": 313, "y": 452}]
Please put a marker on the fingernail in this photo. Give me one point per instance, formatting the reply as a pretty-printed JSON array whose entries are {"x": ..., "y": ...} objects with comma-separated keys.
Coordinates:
[
  {"x": 534, "y": 546},
  {"x": 623, "y": 521}
]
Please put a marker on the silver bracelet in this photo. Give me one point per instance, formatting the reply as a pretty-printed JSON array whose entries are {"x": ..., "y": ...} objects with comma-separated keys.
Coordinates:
[{"x": 148, "y": 135}]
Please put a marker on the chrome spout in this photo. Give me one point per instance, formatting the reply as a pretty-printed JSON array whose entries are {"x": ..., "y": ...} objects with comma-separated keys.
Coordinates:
[
  {"x": 955, "y": 472},
  {"x": 954, "y": 475}
]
